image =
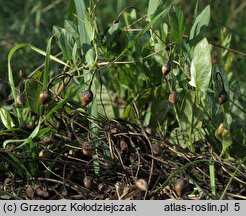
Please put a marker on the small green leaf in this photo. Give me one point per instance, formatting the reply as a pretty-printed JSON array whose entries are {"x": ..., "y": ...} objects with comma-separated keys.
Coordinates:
[
  {"x": 6, "y": 119},
  {"x": 191, "y": 115},
  {"x": 33, "y": 89},
  {"x": 153, "y": 5},
  {"x": 226, "y": 142},
  {"x": 201, "y": 68},
  {"x": 177, "y": 22},
  {"x": 202, "y": 20},
  {"x": 129, "y": 112}
]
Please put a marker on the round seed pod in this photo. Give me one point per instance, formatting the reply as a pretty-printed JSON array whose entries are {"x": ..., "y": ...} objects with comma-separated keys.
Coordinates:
[
  {"x": 220, "y": 129},
  {"x": 87, "y": 182},
  {"x": 38, "y": 190},
  {"x": 45, "y": 97},
  {"x": 58, "y": 124},
  {"x": 22, "y": 73},
  {"x": 141, "y": 184},
  {"x": 179, "y": 187},
  {"x": 223, "y": 97},
  {"x": 173, "y": 98},
  {"x": 86, "y": 97},
  {"x": 46, "y": 194},
  {"x": 88, "y": 149},
  {"x": 64, "y": 191},
  {"x": 148, "y": 130},
  {"x": 44, "y": 153},
  {"x": 29, "y": 191},
  {"x": 107, "y": 166},
  {"x": 123, "y": 145},
  {"x": 156, "y": 149},
  {"x": 166, "y": 68},
  {"x": 20, "y": 100}
]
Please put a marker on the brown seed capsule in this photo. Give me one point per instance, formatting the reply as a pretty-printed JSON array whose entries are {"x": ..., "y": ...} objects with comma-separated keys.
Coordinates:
[
  {"x": 64, "y": 191},
  {"x": 156, "y": 149},
  {"x": 20, "y": 100},
  {"x": 87, "y": 182},
  {"x": 223, "y": 97},
  {"x": 46, "y": 194},
  {"x": 141, "y": 184},
  {"x": 179, "y": 187},
  {"x": 29, "y": 191},
  {"x": 45, "y": 97},
  {"x": 58, "y": 124},
  {"x": 123, "y": 145},
  {"x": 22, "y": 74},
  {"x": 148, "y": 130},
  {"x": 173, "y": 98},
  {"x": 88, "y": 149},
  {"x": 166, "y": 68},
  {"x": 86, "y": 97},
  {"x": 44, "y": 153},
  {"x": 38, "y": 190}
]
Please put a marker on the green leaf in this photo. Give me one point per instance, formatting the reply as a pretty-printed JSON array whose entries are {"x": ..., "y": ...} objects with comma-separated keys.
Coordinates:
[
  {"x": 212, "y": 179},
  {"x": 62, "y": 40},
  {"x": 226, "y": 142},
  {"x": 191, "y": 115},
  {"x": 201, "y": 67},
  {"x": 202, "y": 20},
  {"x": 140, "y": 34},
  {"x": 46, "y": 74},
  {"x": 128, "y": 112},
  {"x": 33, "y": 89},
  {"x": 71, "y": 28},
  {"x": 6, "y": 119},
  {"x": 153, "y": 5},
  {"x": 86, "y": 32},
  {"x": 177, "y": 22},
  {"x": 217, "y": 82}
]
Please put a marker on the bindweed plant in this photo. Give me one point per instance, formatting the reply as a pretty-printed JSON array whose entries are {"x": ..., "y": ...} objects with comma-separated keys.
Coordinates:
[{"x": 149, "y": 69}]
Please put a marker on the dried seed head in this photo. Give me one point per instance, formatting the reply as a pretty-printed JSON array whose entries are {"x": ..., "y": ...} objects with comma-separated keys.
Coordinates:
[
  {"x": 86, "y": 97},
  {"x": 173, "y": 98},
  {"x": 223, "y": 97},
  {"x": 156, "y": 149},
  {"x": 45, "y": 97},
  {"x": 87, "y": 182},
  {"x": 141, "y": 184},
  {"x": 179, "y": 187},
  {"x": 166, "y": 68}
]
